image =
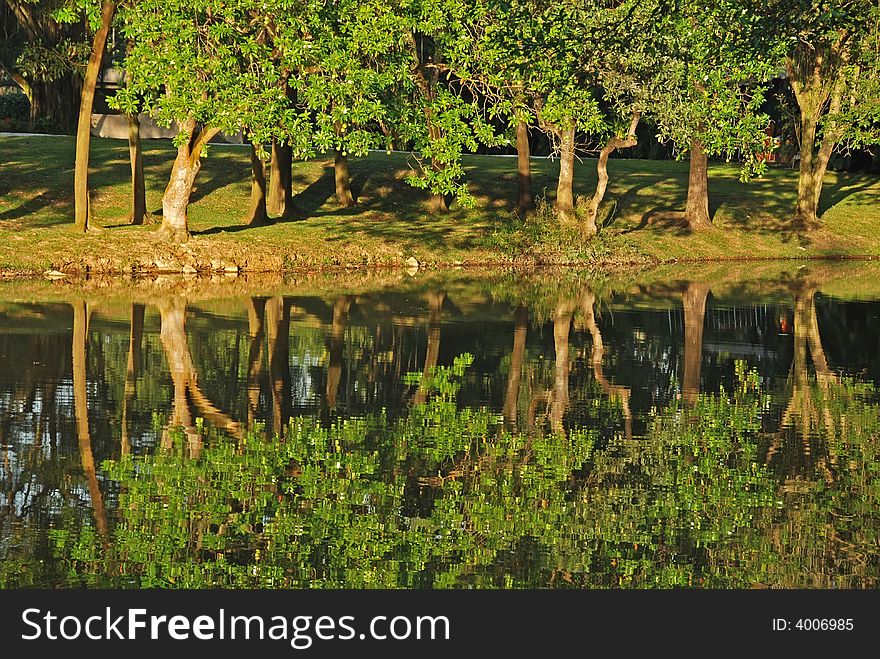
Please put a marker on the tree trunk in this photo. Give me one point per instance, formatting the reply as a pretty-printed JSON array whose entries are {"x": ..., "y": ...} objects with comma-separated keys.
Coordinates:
[
  {"x": 280, "y": 202},
  {"x": 337, "y": 346},
  {"x": 175, "y": 200},
  {"x": 591, "y": 227},
  {"x": 694, "y": 303},
  {"x": 565, "y": 186},
  {"x": 813, "y": 166},
  {"x": 257, "y": 214},
  {"x": 517, "y": 357},
  {"x": 84, "y": 123},
  {"x": 813, "y": 86},
  {"x": 138, "y": 185},
  {"x": 525, "y": 200},
  {"x": 696, "y": 213},
  {"x": 343, "y": 180}
]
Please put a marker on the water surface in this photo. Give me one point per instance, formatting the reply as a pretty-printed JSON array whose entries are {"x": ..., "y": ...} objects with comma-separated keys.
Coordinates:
[{"x": 684, "y": 428}]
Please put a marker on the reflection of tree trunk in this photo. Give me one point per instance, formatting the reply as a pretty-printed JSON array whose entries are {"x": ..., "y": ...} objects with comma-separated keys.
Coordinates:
[
  {"x": 517, "y": 355},
  {"x": 802, "y": 405},
  {"x": 694, "y": 301},
  {"x": 561, "y": 327},
  {"x": 622, "y": 393},
  {"x": 135, "y": 337},
  {"x": 432, "y": 354},
  {"x": 180, "y": 364},
  {"x": 257, "y": 331},
  {"x": 278, "y": 322},
  {"x": 185, "y": 379},
  {"x": 81, "y": 412},
  {"x": 337, "y": 344}
]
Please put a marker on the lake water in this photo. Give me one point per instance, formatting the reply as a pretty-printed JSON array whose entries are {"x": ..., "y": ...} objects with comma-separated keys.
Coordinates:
[{"x": 694, "y": 427}]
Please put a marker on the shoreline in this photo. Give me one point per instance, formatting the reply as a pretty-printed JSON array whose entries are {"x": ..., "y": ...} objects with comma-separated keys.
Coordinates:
[{"x": 610, "y": 268}]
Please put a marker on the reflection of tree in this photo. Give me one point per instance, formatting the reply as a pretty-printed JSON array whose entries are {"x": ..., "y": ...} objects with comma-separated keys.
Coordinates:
[
  {"x": 136, "y": 333},
  {"x": 81, "y": 315},
  {"x": 562, "y": 318},
  {"x": 694, "y": 302},
  {"x": 336, "y": 347},
  {"x": 432, "y": 352},
  {"x": 278, "y": 322},
  {"x": 184, "y": 376},
  {"x": 324, "y": 508},
  {"x": 257, "y": 333},
  {"x": 809, "y": 407},
  {"x": 614, "y": 391},
  {"x": 517, "y": 356}
]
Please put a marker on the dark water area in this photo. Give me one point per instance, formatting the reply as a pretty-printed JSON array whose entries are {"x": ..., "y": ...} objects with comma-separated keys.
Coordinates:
[{"x": 686, "y": 429}]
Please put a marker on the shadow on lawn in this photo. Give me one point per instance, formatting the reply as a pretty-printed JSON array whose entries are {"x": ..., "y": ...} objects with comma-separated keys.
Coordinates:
[{"x": 43, "y": 172}]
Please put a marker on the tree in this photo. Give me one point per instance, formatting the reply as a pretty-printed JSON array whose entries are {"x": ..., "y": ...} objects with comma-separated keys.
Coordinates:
[
  {"x": 719, "y": 57},
  {"x": 832, "y": 63},
  {"x": 207, "y": 68},
  {"x": 530, "y": 60},
  {"x": 84, "y": 122},
  {"x": 45, "y": 56},
  {"x": 359, "y": 67}
]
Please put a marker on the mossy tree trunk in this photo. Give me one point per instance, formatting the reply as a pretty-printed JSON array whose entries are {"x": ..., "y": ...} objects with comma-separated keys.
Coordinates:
[
  {"x": 341, "y": 174},
  {"x": 565, "y": 185},
  {"x": 818, "y": 90}
]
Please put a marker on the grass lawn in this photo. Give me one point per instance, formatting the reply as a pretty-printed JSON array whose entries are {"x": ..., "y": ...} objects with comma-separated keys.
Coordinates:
[{"x": 390, "y": 223}]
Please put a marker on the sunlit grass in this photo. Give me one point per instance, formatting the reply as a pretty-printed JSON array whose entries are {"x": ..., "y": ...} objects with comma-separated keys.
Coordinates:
[{"x": 391, "y": 222}]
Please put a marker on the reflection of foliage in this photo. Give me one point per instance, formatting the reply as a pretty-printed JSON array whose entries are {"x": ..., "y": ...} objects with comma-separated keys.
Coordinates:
[{"x": 441, "y": 499}]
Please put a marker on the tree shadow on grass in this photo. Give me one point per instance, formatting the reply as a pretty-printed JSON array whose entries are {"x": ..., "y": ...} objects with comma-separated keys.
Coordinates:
[{"x": 846, "y": 186}]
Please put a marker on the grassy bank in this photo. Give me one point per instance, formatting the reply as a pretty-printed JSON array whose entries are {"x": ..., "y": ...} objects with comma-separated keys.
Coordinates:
[{"x": 391, "y": 224}]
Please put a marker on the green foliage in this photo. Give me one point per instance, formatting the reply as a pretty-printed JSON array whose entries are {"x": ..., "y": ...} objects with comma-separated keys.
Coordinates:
[
  {"x": 719, "y": 58},
  {"x": 443, "y": 498},
  {"x": 208, "y": 62},
  {"x": 540, "y": 238},
  {"x": 14, "y": 107}
]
